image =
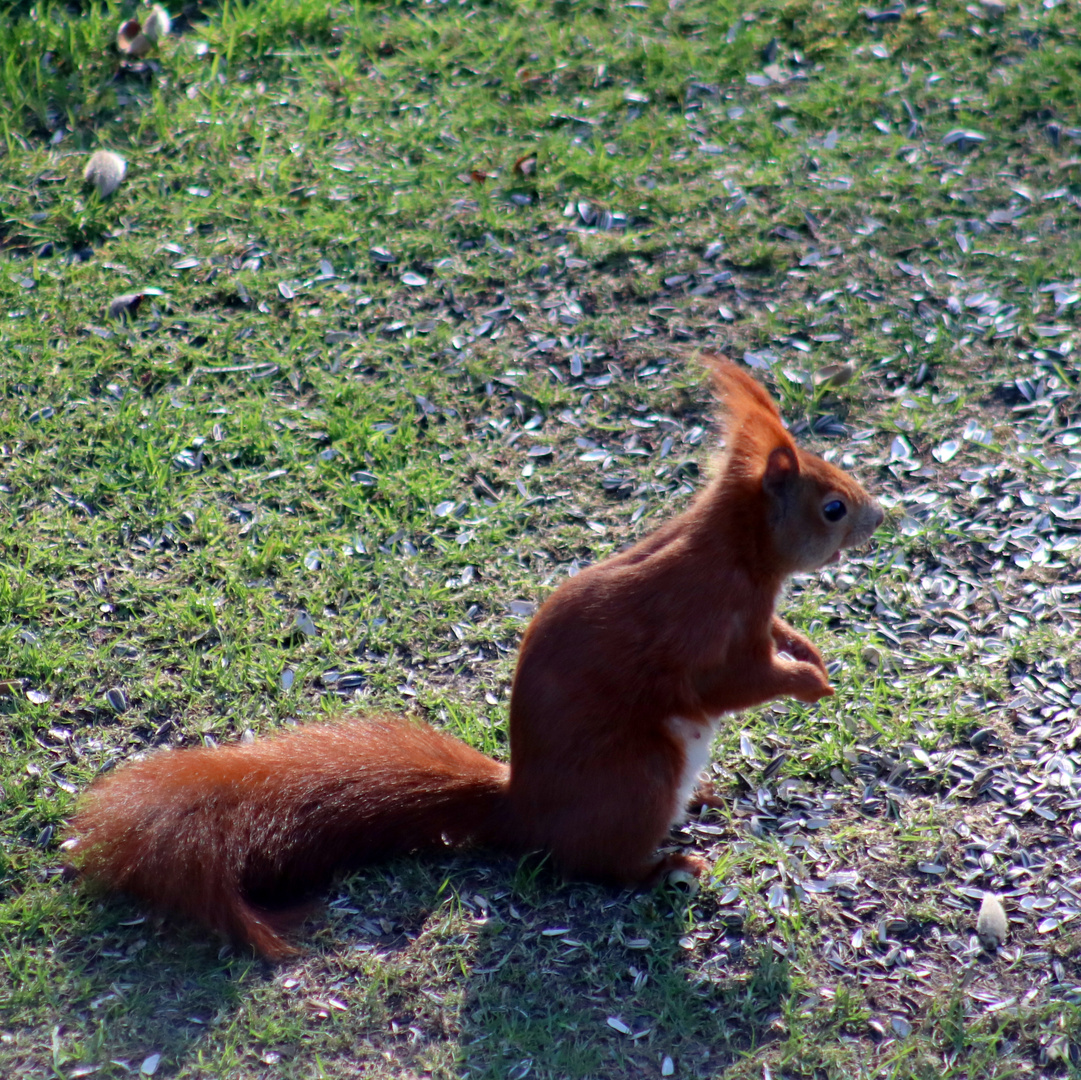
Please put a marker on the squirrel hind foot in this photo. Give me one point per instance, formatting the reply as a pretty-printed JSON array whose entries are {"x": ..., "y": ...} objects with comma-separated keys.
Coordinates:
[
  {"x": 683, "y": 866},
  {"x": 705, "y": 798}
]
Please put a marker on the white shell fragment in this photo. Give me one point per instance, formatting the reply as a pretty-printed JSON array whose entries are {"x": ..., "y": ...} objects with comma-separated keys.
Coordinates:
[
  {"x": 105, "y": 170},
  {"x": 157, "y": 24},
  {"x": 991, "y": 924}
]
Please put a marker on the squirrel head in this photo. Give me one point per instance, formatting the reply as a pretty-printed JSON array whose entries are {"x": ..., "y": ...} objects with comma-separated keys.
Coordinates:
[{"x": 812, "y": 508}]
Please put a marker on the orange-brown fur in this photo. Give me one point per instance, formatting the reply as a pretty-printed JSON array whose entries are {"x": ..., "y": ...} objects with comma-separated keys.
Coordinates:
[{"x": 682, "y": 625}]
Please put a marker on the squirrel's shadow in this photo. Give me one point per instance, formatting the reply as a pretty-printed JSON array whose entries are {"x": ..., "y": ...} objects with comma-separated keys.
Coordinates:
[
  {"x": 589, "y": 981},
  {"x": 438, "y": 965}
]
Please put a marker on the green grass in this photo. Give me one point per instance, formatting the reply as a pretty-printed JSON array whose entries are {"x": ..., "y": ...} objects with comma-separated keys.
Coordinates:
[{"x": 264, "y": 437}]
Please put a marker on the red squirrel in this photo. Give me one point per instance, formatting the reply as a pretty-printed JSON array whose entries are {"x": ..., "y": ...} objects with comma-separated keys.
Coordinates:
[{"x": 622, "y": 677}]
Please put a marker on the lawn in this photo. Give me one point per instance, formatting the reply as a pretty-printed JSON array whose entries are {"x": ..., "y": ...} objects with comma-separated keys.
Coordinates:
[{"x": 422, "y": 291}]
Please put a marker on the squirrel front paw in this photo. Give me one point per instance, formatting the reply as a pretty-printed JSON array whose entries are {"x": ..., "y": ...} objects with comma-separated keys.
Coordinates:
[
  {"x": 810, "y": 683},
  {"x": 788, "y": 639}
]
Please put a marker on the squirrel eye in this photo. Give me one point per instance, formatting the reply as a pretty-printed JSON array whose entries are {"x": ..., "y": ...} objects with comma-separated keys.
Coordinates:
[{"x": 834, "y": 510}]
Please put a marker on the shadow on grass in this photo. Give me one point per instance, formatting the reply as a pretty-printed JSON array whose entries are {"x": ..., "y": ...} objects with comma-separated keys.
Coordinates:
[{"x": 452, "y": 967}]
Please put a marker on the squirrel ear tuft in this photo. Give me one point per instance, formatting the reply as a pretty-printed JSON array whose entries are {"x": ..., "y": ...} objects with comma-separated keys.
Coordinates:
[
  {"x": 738, "y": 390},
  {"x": 724, "y": 374}
]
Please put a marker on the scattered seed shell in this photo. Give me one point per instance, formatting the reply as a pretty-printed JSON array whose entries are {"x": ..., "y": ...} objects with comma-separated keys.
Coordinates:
[
  {"x": 131, "y": 41},
  {"x": 946, "y": 451},
  {"x": 116, "y": 699},
  {"x": 963, "y": 139},
  {"x": 157, "y": 24},
  {"x": 121, "y": 307},
  {"x": 105, "y": 170},
  {"x": 991, "y": 924},
  {"x": 834, "y": 375}
]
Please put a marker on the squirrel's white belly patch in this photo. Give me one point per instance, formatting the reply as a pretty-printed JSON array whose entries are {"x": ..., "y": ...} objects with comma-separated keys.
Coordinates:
[{"x": 696, "y": 739}]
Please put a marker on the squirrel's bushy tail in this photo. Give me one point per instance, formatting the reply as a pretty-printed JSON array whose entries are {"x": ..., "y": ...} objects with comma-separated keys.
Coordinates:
[{"x": 240, "y": 837}]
